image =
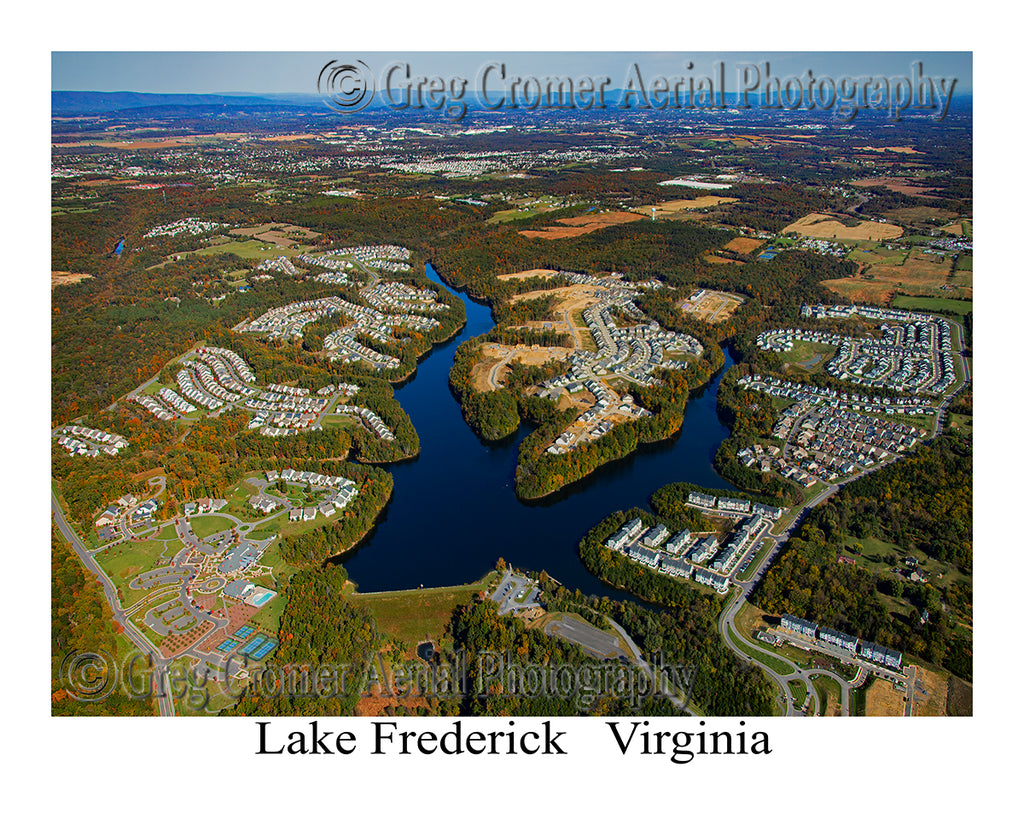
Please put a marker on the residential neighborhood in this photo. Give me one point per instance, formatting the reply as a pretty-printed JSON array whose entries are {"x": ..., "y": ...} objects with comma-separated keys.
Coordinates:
[{"x": 89, "y": 442}]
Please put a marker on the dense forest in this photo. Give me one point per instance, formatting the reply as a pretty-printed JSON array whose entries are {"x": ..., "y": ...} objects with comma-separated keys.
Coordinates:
[
  {"x": 685, "y": 630},
  {"x": 922, "y": 501},
  {"x": 81, "y": 624},
  {"x": 319, "y": 629}
]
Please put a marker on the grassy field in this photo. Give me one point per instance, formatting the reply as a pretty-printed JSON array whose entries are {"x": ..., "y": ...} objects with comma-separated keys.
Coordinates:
[
  {"x": 858, "y": 704},
  {"x": 248, "y": 249},
  {"x": 826, "y": 226},
  {"x": 206, "y": 525},
  {"x": 776, "y": 664},
  {"x": 126, "y": 560},
  {"x": 874, "y": 551},
  {"x": 414, "y": 615},
  {"x": 918, "y": 274},
  {"x": 268, "y": 617},
  {"x": 798, "y": 691},
  {"x": 804, "y": 353},
  {"x": 830, "y": 695},
  {"x": 929, "y": 304},
  {"x": 870, "y": 253},
  {"x": 526, "y": 208}
]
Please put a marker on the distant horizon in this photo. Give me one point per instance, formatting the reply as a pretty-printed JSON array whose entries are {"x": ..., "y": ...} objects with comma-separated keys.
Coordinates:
[{"x": 275, "y": 73}]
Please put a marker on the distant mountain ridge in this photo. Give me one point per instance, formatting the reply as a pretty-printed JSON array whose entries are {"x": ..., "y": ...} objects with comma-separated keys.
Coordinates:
[{"x": 100, "y": 102}]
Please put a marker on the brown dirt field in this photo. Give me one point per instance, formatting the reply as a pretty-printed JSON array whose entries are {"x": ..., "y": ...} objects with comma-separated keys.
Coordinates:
[
  {"x": 895, "y": 150},
  {"x": 579, "y": 225},
  {"x": 529, "y": 274},
  {"x": 288, "y": 137},
  {"x": 494, "y": 354},
  {"x": 824, "y": 226},
  {"x": 713, "y": 307},
  {"x": 481, "y": 372},
  {"x": 96, "y": 183},
  {"x": 959, "y": 698},
  {"x": 63, "y": 277},
  {"x": 720, "y": 260},
  {"x": 275, "y": 231},
  {"x": 897, "y": 184},
  {"x": 934, "y": 704},
  {"x": 175, "y": 643},
  {"x": 882, "y": 700},
  {"x": 679, "y": 205},
  {"x": 574, "y": 296},
  {"x": 922, "y": 274},
  {"x": 919, "y": 214},
  {"x": 956, "y": 228},
  {"x": 743, "y": 244}
]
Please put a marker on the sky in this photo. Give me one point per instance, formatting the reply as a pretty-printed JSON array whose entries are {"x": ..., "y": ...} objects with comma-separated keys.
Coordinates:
[{"x": 296, "y": 72}]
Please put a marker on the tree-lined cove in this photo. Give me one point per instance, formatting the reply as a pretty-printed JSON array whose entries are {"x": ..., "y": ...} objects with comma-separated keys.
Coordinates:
[{"x": 454, "y": 510}]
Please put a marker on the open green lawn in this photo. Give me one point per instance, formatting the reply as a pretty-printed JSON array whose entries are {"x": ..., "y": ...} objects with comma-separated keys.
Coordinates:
[
  {"x": 340, "y": 421},
  {"x": 414, "y": 615},
  {"x": 126, "y": 560},
  {"x": 809, "y": 355},
  {"x": 248, "y": 249},
  {"x": 776, "y": 664},
  {"x": 829, "y": 693},
  {"x": 206, "y": 525},
  {"x": 268, "y": 617},
  {"x": 965, "y": 261},
  {"x": 874, "y": 551},
  {"x": 876, "y": 253},
  {"x": 238, "y": 496},
  {"x": 928, "y": 303},
  {"x": 962, "y": 422}
]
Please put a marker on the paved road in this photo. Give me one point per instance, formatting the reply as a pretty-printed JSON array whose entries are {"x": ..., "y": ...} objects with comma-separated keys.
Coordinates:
[
  {"x": 164, "y": 701},
  {"x": 676, "y": 700}
]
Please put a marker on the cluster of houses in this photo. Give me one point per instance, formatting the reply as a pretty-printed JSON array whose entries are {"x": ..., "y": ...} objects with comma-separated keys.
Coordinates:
[
  {"x": 282, "y": 264},
  {"x": 343, "y": 346},
  {"x": 370, "y": 419},
  {"x": 129, "y": 507},
  {"x": 598, "y": 420},
  {"x": 681, "y": 554},
  {"x": 865, "y": 650},
  {"x": 88, "y": 441},
  {"x": 776, "y": 387},
  {"x": 914, "y": 354},
  {"x": 384, "y": 257},
  {"x": 340, "y": 494},
  {"x": 827, "y": 443},
  {"x": 708, "y": 502},
  {"x": 166, "y": 406},
  {"x": 347, "y": 390},
  {"x": 285, "y": 407},
  {"x": 398, "y": 296},
  {"x": 289, "y": 321},
  {"x": 633, "y": 352},
  {"x": 184, "y": 227}
]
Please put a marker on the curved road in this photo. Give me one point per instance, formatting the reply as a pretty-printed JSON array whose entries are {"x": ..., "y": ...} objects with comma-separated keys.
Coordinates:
[{"x": 164, "y": 700}]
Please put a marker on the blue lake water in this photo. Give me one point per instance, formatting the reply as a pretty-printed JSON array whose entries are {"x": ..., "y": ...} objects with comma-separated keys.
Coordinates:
[{"x": 454, "y": 511}]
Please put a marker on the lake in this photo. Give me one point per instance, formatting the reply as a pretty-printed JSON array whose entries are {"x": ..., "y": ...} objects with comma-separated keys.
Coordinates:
[{"x": 454, "y": 511}]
